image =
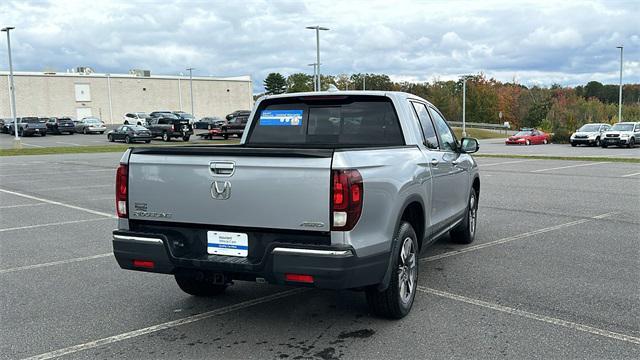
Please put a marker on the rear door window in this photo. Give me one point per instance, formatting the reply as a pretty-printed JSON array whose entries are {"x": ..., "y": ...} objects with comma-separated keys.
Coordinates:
[{"x": 336, "y": 121}]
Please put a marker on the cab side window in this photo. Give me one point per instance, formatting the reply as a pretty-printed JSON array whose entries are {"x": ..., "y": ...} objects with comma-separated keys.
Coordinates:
[
  {"x": 446, "y": 136},
  {"x": 637, "y": 127},
  {"x": 429, "y": 132}
]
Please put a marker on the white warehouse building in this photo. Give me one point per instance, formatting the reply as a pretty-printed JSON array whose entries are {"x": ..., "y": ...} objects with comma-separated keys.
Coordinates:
[{"x": 110, "y": 96}]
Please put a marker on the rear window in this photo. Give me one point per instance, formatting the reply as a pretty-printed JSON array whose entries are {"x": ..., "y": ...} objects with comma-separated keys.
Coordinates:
[{"x": 339, "y": 121}]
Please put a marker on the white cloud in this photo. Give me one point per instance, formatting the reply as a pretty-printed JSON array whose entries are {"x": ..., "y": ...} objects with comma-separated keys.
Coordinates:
[{"x": 566, "y": 42}]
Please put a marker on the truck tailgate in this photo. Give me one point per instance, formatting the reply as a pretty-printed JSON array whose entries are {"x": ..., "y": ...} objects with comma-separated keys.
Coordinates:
[{"x": 278, "y": 189}]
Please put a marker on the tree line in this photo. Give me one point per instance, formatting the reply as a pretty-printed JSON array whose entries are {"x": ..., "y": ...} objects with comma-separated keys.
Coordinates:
[{"x": 556, "y": 108}]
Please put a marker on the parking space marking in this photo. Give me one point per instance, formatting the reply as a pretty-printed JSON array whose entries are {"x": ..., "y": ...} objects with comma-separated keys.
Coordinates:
[
  {"x": 53, "y": 263},
  {"x": 514, "y": 238},
  {"x": 68, "y": 143},
  {"x": 569, "y": 166},
  {"x": 38, "y": 146},
  {"x": 59, "y": 203},
  {"x": 167, "y": 325},
  {"x": 630, "y": 175},
  {"x": 50, "y": 224},
  {"x": 533, "y": 316},
  {"x": 76, "y": 187},
  {"x": 61, "y": 172},
  {"x": 503, "y": 163},
  {"x": 20, "y": 205}
]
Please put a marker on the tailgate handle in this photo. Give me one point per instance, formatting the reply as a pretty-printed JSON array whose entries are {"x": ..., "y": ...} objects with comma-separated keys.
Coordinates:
[{"x": 222, "y": 168}]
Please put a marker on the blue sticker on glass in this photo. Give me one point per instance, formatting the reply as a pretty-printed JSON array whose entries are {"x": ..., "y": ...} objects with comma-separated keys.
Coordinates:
[{"x": 281, "y": 118}]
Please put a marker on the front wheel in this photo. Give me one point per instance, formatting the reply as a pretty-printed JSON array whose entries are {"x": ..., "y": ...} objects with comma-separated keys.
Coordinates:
[
  {"x": 396, "y": 301},
  {"x": 545, "y": 141},
  {"x": 604, "y": 146},
  {"x": 110, "y": 138},
  {"x": 527, "y": 142},
  {"x": 127, "y": 139},
  {"x": 147, "y": 141},
  {"x": 465, "y": 233},
  {"x": 197, "y": 284},
  {"x": 84, "y": 131},
  {"x": 185, "y": 138},
  {"x": 632, "y": 143},
  {"x": 166, "y": 137},
  {"x": 597, "y": 141},
  {"x": 574, "y": 144},
  {"x": 43, "y": 134}
]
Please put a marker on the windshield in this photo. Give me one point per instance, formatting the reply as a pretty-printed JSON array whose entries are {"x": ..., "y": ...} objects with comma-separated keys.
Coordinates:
[
  {"x": 31, "y": 120},
  {"x": 622, "y": 127},
  {"x": 589, "y": 128},
  {"x": 523, "y": 133},
  {"x": 92, "y": 121},
  {"x": 186, "y": 116},
  {"x": 339, "y": 122}
]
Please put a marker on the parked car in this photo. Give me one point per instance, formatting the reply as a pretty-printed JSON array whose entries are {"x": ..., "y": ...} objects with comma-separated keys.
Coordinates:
[
  {"x": 327, "y": 191},
  {"x": 4, "y": 125},
  {"x": 528, "y": 137},
  {"x": 90, "y": 125},
  {"x": 235, "y": 126},
  {"x": 135, "y": 118},
  {"x": 186, "y": 116},
  {"x": 209, "y": 123},
  {"x": 169, "y": 126},
  {"x": 130, "y": 134},
  {"x": 165, "y": 113},
  {"x": 60, "y": 125},
  {"x": 238, "y": 113},
  {"x": 589, "y": 134},
  {"x": 622, "y": 134},
  {"x": 29, "y": 126}
]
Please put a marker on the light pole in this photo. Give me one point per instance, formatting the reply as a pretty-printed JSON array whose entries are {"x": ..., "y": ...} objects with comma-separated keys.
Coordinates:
[
  {"x": 180, "y": 91},
  {"x": 464, "y": 105},
  {"x": 314, "y": 75},
  {"x": 191, "y": 89},
  {"x": 317, "y": 28},
  {"x": 620, "y": 93},
  {"x": 16, "y": 142},
  {"x": 364, "y": 82}
]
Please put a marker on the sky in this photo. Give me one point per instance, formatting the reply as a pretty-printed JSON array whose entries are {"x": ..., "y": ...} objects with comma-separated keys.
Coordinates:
[{"x": 531, "y": 42}]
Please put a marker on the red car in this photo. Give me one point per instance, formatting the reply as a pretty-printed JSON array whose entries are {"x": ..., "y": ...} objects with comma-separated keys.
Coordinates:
[{"x": 528, "y": 137}]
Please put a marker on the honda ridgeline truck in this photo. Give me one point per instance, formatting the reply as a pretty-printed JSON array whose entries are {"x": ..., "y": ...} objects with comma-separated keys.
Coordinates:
[{"x": 337, "y": 190}]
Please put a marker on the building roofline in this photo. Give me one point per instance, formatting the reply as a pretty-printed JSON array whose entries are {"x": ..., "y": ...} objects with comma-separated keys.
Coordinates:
[{"x": 243, "y": 78}]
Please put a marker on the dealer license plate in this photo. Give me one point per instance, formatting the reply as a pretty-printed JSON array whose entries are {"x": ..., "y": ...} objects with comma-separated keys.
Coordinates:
[{"x": 227, "y": 243}]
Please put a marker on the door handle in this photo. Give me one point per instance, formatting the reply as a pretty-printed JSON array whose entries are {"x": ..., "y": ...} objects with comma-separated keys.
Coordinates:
[
  {"x": 222, "y": 168},
  {"x": 434, "y": 162}
]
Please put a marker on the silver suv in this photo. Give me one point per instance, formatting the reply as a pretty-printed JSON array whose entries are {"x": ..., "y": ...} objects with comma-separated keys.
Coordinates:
[
  {"x": 589, "y": 134},
  {"x": 622, "y": 134}
]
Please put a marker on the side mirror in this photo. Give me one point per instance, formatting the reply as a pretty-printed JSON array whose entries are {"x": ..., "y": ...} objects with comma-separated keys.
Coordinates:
[{"x": 469, "y": 145}]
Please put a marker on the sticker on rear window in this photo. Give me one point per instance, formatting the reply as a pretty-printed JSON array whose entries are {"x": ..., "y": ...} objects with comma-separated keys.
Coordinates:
[{"x": 281, "y": 118}]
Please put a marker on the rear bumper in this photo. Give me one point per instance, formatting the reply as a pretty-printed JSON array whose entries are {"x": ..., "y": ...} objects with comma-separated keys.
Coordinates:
[{"x": 331, "y": 267}]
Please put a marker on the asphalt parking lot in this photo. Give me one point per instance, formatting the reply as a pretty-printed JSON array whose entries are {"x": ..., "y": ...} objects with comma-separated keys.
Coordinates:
[
  {"x": 553, "y": 273},
  {"x": 53, "y": 140}
]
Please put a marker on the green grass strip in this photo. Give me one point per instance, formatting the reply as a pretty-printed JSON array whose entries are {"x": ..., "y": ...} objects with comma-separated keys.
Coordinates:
[
  {"x": 94, "y": 149},
  {"x": 552, "y": 157}
]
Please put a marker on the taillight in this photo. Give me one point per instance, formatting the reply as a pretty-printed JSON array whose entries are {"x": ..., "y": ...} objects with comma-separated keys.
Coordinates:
[
  {"x": 121, "y": 190},
  {"x": 346, "y": 199}
]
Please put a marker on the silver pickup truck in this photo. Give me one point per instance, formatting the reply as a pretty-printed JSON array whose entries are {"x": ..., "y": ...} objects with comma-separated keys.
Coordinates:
[{"x": 337, "y": 190}]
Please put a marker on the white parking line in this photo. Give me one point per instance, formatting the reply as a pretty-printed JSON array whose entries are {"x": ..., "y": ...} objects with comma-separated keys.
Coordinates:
[
  {"x": 513, "y": 238},
  {"x": 629, "y": 175},
  {"x": 20, "y": 205},
  {"x": 59, "y": 203},
  {"x": 503, "y": 163},
  {"x": 38, "y": 146},
  {"x": 530, "y": 315},
  {"x": 50, "y": 224},
  {"x": 569, "y": 166},
  {"x": 166, "y": 325},
  {"x": 76, "y": 187},
  {"x": 53, "y": 263},
  {"x": 69, "y": 143}
]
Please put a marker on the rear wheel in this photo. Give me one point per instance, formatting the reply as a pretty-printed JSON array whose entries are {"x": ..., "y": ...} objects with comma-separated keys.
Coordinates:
[
  {"x": 185, "y": 138},
  {"x": 604, "y": 146},
  {"x": 527, "y": 142},
  {"x": 43, "y": 134},
  {"x": 465, "y": 233},
  {"x": 225, "y": 136},
  {"x": 147, "y": 141},
  {"x": 127, "y": 139},
  {"x": 165, "y": 137},
  {"x": 110, "y": 138},
  {"x": 84, "y": 131},
  {"x": 545, "y": 141},
  {"x": 198, "y": 284},
  {"x": 597, "y": 141},
  {"x": 395, "y": 302}
]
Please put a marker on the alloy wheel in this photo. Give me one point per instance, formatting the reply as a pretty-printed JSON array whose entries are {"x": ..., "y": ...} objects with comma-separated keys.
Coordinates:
[{"x": 407, "y": 271}]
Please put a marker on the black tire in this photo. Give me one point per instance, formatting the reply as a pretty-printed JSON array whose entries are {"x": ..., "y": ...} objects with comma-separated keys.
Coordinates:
[
  {"x": 197, "y": 284},
  {"x": 101, "y": 132},
  {"x": 84, "y": 131},
  {"x": 604, "y": 146},
  {"x": 110, "y": 138},
  {"x": 209, "y": 127},
  {"x": 147, "y": 141},
  {"x": 465, "y": 233},
  {"x": 597, "y": 142},
  {"x": 574, "y": 144},
  {"x": 186, "y": 138},
  {"x": 20, "y": 132},
  {"x": 225, "y": 136},
  {"x": 126, "y": 122},
  {"x": 166, "y": 137},
  {"x": 394, "y": 302},
  {"x": 527, "y": 142},
  {"x": 43, "y": 134},
  {"x": 127, "y": 139},
  {"x": 632, "y": 143}
]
